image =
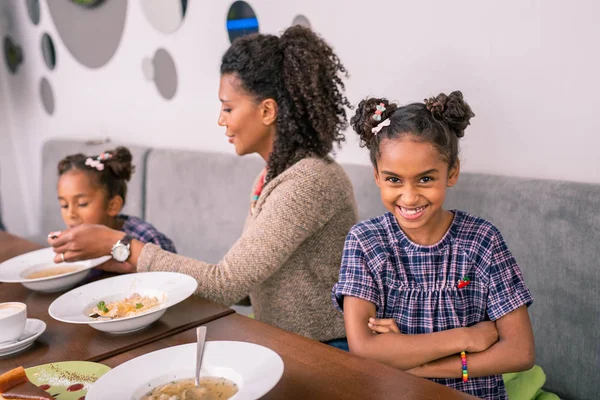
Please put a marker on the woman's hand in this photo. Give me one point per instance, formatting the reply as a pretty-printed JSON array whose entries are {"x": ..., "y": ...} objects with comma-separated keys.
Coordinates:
[
  {"x": 83, "y": 242},
  {"x": 383, "y": 325}
]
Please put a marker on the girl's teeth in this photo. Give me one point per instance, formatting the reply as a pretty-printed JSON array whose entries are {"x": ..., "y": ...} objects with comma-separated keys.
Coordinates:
[{"x": 412, "y": 211}]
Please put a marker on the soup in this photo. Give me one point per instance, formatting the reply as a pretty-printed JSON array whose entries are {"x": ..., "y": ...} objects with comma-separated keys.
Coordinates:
[
  {"x": 52, "y": 271},
  {"x": 211, "y": 388}
]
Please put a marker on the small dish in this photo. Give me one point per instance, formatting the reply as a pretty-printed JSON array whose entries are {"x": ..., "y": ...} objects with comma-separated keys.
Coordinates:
[
  {"x": 33, "y": 329},
  {"x": 67, "y": 380}
]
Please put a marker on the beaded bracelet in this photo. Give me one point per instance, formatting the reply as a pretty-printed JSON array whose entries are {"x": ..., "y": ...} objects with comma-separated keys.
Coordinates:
[{"x": 463, "y": 359}]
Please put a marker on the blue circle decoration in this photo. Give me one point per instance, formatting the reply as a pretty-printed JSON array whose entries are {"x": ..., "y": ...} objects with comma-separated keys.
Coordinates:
[{"x": 241, "y": 20}]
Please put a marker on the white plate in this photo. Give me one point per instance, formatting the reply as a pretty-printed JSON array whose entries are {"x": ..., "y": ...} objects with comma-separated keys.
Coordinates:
[
  {"x": 33, "y": 329},
  {"x": 15, "y": 270},
  {"x": 255, "y": 369},
  {"x": 75, "y": 306}
]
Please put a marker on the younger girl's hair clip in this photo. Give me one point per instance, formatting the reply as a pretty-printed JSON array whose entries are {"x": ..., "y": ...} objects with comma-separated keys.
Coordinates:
[
  {"x": 378, "y": 111},
  {"x": 98, "y": 162},
  {"x": 380, "y": 126}
]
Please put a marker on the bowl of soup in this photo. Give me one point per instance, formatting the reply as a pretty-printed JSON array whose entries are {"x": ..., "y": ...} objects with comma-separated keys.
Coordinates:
[
  {"x": 37, "y": 271},
  {"x": 230, "y": 370}
]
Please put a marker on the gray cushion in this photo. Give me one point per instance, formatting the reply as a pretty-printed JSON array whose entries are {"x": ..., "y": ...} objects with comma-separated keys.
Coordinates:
[
  {"x": 56, "y": 149},
  {"x": 552, "y": 228},
  {"x": 200, "y": 200},
  {"x": 365, "y": 190}
]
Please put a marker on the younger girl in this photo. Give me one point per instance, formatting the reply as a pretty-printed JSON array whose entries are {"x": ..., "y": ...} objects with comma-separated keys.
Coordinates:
[
  {"x": 420, "y": 285},
  {"x": 92, "y": 190}
]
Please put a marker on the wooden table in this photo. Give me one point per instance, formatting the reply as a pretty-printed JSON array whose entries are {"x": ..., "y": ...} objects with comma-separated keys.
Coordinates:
[
  {"x": 12, "y": 246},
  {"x": 312, "y": 370},
  {"x": 62, "y": 341}
]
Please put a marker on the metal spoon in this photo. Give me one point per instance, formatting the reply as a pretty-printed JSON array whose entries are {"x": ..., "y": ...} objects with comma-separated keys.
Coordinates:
[{"x": 201, "y": 338}]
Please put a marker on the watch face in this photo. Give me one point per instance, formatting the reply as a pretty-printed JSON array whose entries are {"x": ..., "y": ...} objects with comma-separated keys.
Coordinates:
[{"x": 120, "y": 253}]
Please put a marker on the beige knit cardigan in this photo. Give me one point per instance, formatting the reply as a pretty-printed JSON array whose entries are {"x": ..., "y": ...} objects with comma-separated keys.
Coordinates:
[{"x": 288, "y": 257}]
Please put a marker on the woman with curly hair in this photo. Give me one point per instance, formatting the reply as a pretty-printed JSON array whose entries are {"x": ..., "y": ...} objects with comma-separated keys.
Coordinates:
[{"x": 282, "y": 97}]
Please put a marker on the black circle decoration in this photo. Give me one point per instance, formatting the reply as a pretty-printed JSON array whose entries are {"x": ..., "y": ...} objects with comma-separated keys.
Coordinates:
[
  {"x": 33, "y": 9},
  {"x": 241, "y": 20},
  {"x": 48, "y": 51},
  {"x": 87, "y": 3},
  {"x": 13, "y": 55}
]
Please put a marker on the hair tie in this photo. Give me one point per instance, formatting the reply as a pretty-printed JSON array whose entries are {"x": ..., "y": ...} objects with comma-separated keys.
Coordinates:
[
  {"x": 378, "y": 111},
  {"x": 380, "y": 126}
]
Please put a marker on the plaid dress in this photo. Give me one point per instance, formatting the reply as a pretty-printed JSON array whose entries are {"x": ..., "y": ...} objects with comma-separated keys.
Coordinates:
[
  {"x": 417, "y": 285},
  {"x": 146, "y": 233}
]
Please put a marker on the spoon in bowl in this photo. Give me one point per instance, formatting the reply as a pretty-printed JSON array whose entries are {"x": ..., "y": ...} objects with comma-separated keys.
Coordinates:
[
  {"x": 201, "y": 338},
  {"x": 197, "y": 392}
]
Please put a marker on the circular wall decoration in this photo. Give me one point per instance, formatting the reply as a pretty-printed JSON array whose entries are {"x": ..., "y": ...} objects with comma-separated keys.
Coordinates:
[
  {"x": 165, "y": 74},
  {"x": 47, "y": 96},
  {"x": 33, "y": 9},
  {"x": 87, "y": 3},
  {"x": 48, "y": 51},
  {"x": 241, "y": 20},
  {"x": 165, "y": 15},
  {"x": 95, "y": 36},
  {"x": 13, "y": 55},
  {"x": 302, "y": 21},
  {"x": 148, "y": 68}
]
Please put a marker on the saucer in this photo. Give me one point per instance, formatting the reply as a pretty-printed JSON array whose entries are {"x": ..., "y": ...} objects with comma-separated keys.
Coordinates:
[{"x": 33, "y": 329}]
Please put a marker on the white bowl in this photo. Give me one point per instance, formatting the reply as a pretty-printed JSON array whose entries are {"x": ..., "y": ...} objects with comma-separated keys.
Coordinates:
[
  {"x": 75, "y": 306},
  {"x": 17, "y": 268},
  {"x": 255, "y": 369}
]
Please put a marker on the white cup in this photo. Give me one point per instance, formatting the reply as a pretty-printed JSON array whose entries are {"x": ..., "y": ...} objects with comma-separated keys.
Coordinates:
[{"x": 13, "y": 317}]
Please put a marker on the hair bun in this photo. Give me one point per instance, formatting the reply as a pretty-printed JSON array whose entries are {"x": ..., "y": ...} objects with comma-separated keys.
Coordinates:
[
  {"x": 120, "y": 163},
  {"x": 364, "y": 120},
  {"x": 451, "y": 109}
]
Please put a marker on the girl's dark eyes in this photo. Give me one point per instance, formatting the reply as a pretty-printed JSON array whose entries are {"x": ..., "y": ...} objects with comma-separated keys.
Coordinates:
[
  {"x": 393, "y": 179},
  {"x": 227, "y": 110}
]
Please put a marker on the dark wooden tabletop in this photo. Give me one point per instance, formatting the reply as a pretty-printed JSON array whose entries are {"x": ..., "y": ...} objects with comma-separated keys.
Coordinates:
[
  {"x": 64, "y": 342},
  {"x": 12, "y": 246},
  {"x": 312, "y": 370}
]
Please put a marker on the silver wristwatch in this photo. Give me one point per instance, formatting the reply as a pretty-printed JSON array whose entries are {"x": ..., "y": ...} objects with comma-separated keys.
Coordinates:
[{"x": 122, "y": 249}]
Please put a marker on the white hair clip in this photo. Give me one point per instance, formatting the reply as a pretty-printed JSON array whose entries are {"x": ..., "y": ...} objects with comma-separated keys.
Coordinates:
[
  {"x": 98, "y": 162},
  {"x": 380, "y": 126}
]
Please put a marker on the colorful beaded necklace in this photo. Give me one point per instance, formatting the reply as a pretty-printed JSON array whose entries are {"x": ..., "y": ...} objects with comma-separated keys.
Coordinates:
[{"x": 258, "y": 190}]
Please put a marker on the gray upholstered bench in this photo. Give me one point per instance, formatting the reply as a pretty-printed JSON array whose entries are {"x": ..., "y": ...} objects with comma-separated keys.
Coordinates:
[{"x": 200, "y": 200}]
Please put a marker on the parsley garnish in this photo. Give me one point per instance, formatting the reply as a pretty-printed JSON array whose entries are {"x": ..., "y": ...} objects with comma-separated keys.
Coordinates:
[{"x": 102, "y": 306}]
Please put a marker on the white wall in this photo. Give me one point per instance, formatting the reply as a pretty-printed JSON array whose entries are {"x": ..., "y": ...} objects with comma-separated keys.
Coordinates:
[{"x": 528, "y": 69}]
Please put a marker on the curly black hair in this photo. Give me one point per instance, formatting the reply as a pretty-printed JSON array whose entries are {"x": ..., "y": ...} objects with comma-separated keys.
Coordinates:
[
  {"x": 303, "y": 75},
  {"x": 439, "y": 120},
  {"x": 117, "y": 170}
]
